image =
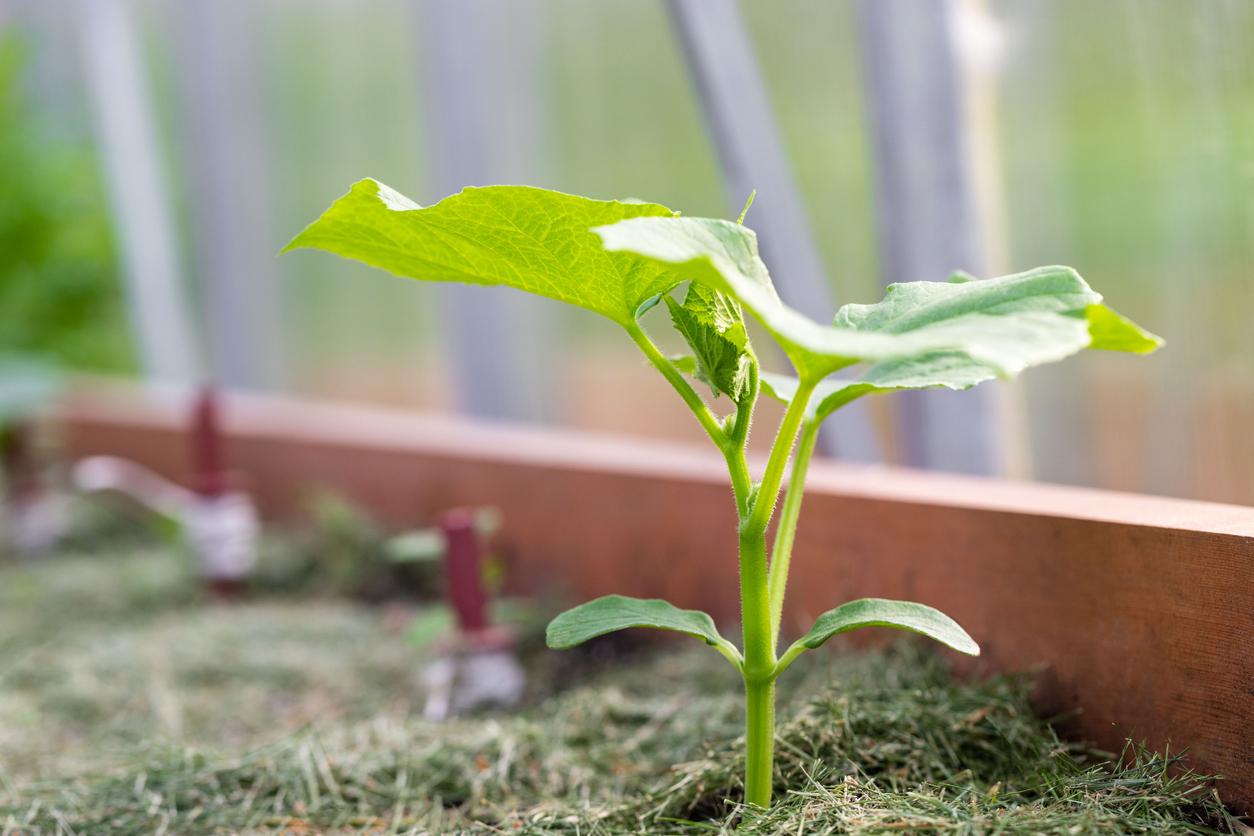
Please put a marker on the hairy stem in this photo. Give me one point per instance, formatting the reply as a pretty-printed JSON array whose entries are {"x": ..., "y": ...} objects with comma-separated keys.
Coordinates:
[
  {"x": 754, "y": 609},
  {"x": 759, "y": 670},
  {"x": 781, "y": 449},
  {"x": 742, "y": 483},
  {"x": 734, "y": 449},
  {"x": 676, "y": 378},
  {"x": 785, "y": 532},
  {"x": 732, "y": 445},
  {"x": 759, "y": 742}
]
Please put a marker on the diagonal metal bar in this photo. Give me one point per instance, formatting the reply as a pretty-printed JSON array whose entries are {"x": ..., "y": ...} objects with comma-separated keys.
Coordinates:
[
  {"x": 742, "y": 126},
  {"x": 482, "y": 97},
  {"x": 926, "y": 205},
  {"x": 141, "y": 204},
  {"x": 223, "y": 119}
]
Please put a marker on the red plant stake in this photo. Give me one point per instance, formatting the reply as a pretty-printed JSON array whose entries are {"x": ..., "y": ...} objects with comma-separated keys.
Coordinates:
[
  {"x": 463, "y": 569},
  {"x": 478, "y": 667},
  {"x": 209, "y": 474},
  {"x": 221, "y": 521},
  {"x": 21, "y": 469}
]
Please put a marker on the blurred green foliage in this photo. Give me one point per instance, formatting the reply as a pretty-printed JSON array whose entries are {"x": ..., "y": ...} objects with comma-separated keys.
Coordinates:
[
  {"x": 59, "y": 284},
  {"x": 342, "y": 551}
]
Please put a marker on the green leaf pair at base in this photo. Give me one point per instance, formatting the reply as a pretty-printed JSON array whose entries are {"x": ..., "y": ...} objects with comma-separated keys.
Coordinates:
[{"x": 618, "y": 612}]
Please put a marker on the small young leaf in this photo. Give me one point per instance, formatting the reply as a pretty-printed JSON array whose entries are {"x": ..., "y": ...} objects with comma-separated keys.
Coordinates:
[
  {"x": 712, "y": 326},
  {"x": 527, "y": 238},
  {"x": 717, "y": 311},
  {"x": 881, "y": 612},
  {"x": 618, "y": 612}
]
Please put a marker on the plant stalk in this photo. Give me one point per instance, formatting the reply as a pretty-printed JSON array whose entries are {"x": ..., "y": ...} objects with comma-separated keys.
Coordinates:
[
  {"x": 676, "y": 379},
  {"x": 759, "y": 670},
  {"x": 732, "y": 446},
  {"x": 759, "y": 742},
  {"x": 786, "y": 531},
  {"x": 781, "y": 450}
]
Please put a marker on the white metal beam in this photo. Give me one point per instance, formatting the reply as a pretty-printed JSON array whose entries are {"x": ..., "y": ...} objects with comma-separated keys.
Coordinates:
[
  {"x": 228, "y": 186},
  {"x": 926, "y": 206},
  {"x": 122, "y": 113},
  {"x": 484, "y": 116}
]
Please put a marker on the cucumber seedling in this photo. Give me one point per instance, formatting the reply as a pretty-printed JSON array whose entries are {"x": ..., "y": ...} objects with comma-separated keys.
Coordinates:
[{"x": 621, "y": 259}]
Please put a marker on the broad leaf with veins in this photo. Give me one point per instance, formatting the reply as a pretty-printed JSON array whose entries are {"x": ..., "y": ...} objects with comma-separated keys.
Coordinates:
[
  {"x": 1046, "y": 294},
  {"x": 1005, "y": 324},
  {"x": 523, "y": 237}
]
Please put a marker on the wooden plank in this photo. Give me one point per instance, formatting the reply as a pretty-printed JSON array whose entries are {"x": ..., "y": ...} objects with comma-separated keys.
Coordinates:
[{"x": 1140, "y": 608}]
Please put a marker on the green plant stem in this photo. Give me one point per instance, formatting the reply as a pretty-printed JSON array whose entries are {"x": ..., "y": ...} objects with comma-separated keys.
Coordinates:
[
  {"x": 732, "y": 446},
  {"x": 759, "y": 742},
  {"x": 755, "y": 610},
  {"x": 758, "y": 666},
  {"x": 759, "y": 670},
  {"x": 734, "y": 450},
  {"x": 742, "y": 483},
  {"x": 676, "y": 378},
  {"x": 759, "y": 653},
  {"x": 781, "y": 449},
  {"x": 744, "y": 409},
  {"x": 786, "y": 531}
]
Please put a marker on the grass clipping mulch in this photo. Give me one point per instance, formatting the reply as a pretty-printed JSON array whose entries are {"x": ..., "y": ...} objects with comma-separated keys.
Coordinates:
[{"x": 878, "y": 743}]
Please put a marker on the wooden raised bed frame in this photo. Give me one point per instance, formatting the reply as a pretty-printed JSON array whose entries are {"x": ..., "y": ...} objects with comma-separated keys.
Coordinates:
[{"x": 1140, "y": 609}]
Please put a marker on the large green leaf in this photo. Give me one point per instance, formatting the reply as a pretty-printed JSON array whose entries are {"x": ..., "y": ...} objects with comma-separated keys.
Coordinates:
[
  {"x": 618, "y": 612},
  {"x": 881, "y": 612},
  {"x": 1078, "y": 323},
  {"x": 527, "y": 238},
  {"x": 1025, "y": 319},
  {"x": 724, "y": 256},
  {"x": 1004, "y": 324}
]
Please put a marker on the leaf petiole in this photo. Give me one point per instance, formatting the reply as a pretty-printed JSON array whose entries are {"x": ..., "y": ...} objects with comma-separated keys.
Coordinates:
[
  {"x": 785, "y": 532},
  {"x": 708, "y": 422},
  {"x": 731, "y": 443},
  {"x": 781, "y": 451}
]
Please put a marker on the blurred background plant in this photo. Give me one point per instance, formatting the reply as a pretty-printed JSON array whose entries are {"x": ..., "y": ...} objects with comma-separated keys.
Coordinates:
[
  {"x": 60, "y": 290},
  {"x": 341, "y": 550}
]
